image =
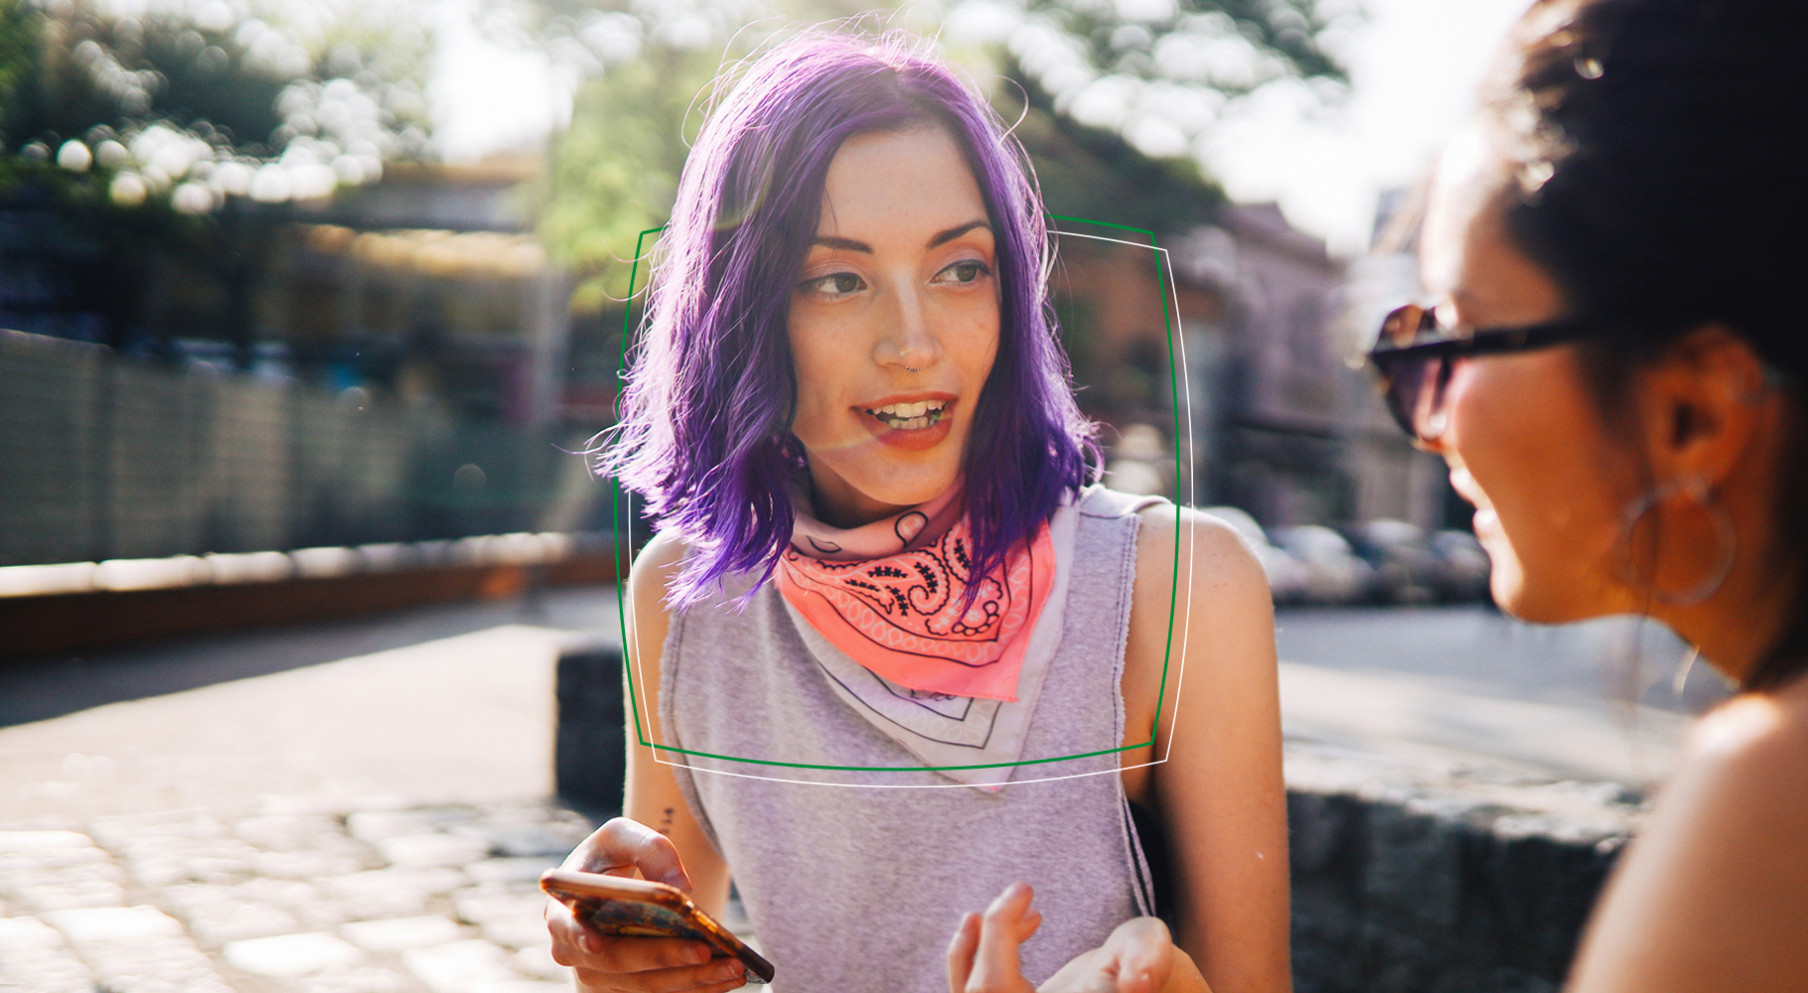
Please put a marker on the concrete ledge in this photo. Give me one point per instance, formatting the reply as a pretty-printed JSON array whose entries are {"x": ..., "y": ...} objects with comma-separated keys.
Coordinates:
[{"x": 190, "y": 595}]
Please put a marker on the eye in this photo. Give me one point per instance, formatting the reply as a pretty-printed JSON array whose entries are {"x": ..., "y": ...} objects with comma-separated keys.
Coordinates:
[
  {"x": 835, "y": 284},
  {"x": 966, "y": 271}
]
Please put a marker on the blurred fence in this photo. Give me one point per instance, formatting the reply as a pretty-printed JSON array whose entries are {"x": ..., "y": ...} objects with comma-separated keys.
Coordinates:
[{"x": 104, "y": 458}]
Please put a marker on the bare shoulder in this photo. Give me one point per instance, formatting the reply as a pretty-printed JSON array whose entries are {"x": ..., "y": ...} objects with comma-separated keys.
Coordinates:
[
  {"x": 1745, "y": 772},
  {"x": 1201, "y": 600},
  {"x": 1714, "y": 894},
  {"x": 1215, "y": 568},
  {"x": 1756, "y": 731},
  {"x": 648, "y": 619},
  {"x": 654, "y": 567}
]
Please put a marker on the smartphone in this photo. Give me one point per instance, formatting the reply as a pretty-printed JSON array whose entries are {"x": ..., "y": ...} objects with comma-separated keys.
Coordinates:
[{"x": 639, "y": 908}]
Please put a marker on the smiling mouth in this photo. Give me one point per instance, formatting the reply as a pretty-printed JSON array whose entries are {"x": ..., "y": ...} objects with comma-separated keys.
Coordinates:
[{"x": 909, "y": 416}]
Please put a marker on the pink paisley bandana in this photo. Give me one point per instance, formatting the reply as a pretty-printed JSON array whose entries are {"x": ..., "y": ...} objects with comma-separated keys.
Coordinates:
[{"x": 889, "y": 595}]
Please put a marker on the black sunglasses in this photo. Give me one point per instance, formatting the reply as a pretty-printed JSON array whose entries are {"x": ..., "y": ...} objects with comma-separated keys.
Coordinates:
[{"x": 1413, "y": 358}]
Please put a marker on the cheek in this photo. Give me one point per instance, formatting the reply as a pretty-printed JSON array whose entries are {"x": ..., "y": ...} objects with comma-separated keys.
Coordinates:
[
  {"x": 1526, "y": 432},
  {"x": 976, "y": 346},
  {"x": 812, "y": 371}
]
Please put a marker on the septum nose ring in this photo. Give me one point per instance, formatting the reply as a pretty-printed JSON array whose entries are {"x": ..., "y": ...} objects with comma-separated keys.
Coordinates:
[{"x": 909, "y": 368}]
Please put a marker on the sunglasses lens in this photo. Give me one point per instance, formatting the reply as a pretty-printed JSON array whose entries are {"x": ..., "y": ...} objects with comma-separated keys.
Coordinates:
[
  {"x": 1415, "y": 393},
  {"x": 1413, "y": 382}
]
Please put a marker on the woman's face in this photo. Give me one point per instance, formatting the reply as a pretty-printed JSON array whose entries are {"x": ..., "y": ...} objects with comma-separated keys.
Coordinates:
[
  {"x": 893, "y": 324},
  {"x": 1524, "y": 439}
]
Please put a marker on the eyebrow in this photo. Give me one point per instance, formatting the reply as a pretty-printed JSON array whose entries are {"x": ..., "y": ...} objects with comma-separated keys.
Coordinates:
[{"x": 940, "y": 238}]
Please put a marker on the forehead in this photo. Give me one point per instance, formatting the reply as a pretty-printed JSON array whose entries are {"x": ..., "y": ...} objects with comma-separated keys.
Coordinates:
[
  {"x": 916, "y": 179},
  {"x": 1467, "y": 262}
]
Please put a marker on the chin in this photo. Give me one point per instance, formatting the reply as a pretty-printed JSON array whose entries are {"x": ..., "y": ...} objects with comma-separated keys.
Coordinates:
[
  {"x": 922, "y": 487},
  {"x": 1535, "y": 603}
]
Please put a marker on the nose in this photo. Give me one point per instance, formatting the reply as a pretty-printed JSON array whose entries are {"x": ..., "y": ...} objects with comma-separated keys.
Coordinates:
[{"x": 909, "y": 340}]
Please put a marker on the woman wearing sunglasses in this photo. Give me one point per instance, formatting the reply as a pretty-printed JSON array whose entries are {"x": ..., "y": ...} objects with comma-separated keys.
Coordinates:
[
  {"x": 1614, "y": 372},
  {"x": 1613, "y": 368}
]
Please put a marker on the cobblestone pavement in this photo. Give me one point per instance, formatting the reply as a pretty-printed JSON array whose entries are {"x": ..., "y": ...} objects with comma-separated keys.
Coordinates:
[
  {"x": 439, "y": 899},
  {"x": 352, "y": 808}
]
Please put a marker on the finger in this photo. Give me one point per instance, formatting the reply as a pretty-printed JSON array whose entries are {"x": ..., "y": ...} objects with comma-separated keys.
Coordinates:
[
  {"x": 623, "y": 843},
  {"x": 960, "y": 953},
  {"x": 630, "y": 955},
  {"x": 1142, "y": 951},
  {"x": 710, "y": 977},
  {"x": 1005, "y": 926}
]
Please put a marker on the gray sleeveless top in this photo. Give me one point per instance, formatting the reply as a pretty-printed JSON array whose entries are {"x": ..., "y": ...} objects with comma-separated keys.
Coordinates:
[{"x": 854, "y": 883}]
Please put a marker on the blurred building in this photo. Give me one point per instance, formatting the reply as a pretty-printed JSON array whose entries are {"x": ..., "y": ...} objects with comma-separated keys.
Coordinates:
[
  {"x": 1391, "y": 478},
  {"x": 1252, "y": 303}
]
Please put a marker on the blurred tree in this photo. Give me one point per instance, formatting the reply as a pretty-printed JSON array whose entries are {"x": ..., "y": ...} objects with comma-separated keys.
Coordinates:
[
  {"x": 1230, "y": 46},
  {"x": 614, "y": 172},
  {"x": 1162, "y": 68},
  {"x": 139, "y": 132},
  {"x": 196, "y": 103},
  {"x": 1094, "y": 173}
]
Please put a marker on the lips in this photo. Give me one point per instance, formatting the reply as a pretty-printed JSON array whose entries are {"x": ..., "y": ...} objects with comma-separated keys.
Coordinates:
[{"x": 912, "y": 422}]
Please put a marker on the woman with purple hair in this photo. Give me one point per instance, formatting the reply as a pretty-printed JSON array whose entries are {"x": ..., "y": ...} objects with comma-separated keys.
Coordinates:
[{"x": 892, "y": 654}]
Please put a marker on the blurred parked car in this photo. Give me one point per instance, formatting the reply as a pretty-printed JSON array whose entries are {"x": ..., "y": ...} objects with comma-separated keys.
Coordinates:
[
  {"x": 1287, "y": 576},
  {"x": 1334, "y": 574},
  {"x": 1462, "y": 566},
  {"x": 1406, "y": 569}
]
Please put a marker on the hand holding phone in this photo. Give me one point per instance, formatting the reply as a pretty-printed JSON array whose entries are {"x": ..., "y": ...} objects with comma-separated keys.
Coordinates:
[
  {"x": 619, "y": 850},
  {"x": 616, "y": 906}
]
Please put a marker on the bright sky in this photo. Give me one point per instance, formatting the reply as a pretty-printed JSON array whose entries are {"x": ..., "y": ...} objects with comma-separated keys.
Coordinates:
[{"x": 1414, "y": 67}]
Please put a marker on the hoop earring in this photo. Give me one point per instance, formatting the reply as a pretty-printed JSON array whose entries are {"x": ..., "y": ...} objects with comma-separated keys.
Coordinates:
[{"x": 1726, "y": 541}]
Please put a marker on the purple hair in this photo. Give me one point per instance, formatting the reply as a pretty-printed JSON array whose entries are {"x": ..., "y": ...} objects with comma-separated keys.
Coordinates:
[{"x": 705, "y": 432}]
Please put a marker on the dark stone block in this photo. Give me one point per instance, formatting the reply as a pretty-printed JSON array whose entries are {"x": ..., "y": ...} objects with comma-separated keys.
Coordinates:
[
  {"x": 590, "y": 748},
  {"x": 1395, "y": 961},
  {"x": 1319, "y": 827},
  {"x": 1414, "y": 865},
  {"x": 1544, "y": 888}
]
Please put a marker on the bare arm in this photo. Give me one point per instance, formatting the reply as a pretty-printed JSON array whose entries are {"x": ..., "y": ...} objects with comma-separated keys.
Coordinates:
[
  {"x": 658, "y": 838},
  {"x": 1220, "y": 791},
  {"x": 652, "y": 795}
]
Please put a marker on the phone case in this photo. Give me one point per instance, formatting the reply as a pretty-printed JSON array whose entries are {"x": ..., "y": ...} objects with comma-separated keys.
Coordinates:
[{"x": 639, "y": 908}]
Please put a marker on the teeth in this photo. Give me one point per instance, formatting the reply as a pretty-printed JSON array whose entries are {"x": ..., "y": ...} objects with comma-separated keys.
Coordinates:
[
  {"x": 910, "y": 416},
  {"x": 909, "y": 410}
]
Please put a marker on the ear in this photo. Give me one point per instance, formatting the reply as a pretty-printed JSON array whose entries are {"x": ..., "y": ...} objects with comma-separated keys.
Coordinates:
[{"x": 1701, "y": 404}]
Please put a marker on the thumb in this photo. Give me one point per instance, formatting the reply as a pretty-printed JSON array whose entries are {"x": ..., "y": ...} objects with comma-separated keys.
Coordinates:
[{"x": 626, "y": 844}]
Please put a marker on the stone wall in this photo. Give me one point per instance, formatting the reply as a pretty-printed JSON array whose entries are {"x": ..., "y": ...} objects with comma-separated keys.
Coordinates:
[{"x": 1428, "y": 879}]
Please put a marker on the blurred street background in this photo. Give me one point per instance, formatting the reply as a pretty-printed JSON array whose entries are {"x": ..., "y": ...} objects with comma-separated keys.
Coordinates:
[{"x": 308, "y": 309}]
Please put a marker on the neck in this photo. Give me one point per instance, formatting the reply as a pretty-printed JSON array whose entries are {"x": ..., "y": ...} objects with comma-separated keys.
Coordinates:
[
  {"x": 1741, "y": 624},
  {"x": 837, "y": 504}
]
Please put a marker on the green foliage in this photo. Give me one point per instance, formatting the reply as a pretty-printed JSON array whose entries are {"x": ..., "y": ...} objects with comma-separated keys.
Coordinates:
[
  {"x": 179, "y": 107},
  {"x": 1283, "y": 38},
  {"x": 18, "y": 46},
  {"x": 127, "y": 140},
  {"x": 614, "y": 173},
  {"x": 1095, "y": 174}
]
